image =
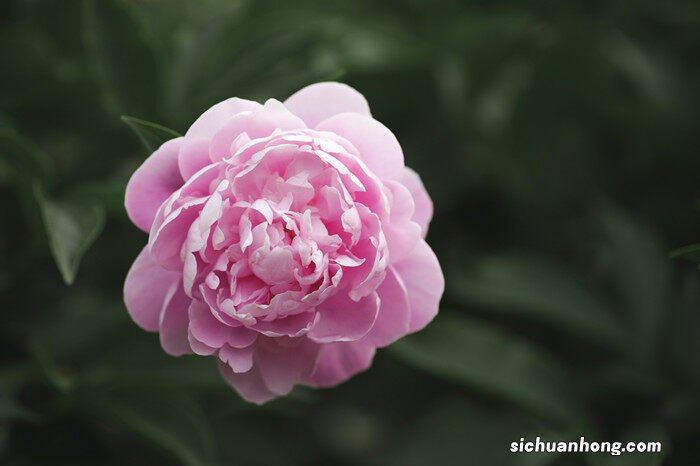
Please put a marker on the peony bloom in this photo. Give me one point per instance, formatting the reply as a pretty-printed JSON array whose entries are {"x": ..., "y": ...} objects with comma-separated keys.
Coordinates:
[{"x": 285, "y": 239}]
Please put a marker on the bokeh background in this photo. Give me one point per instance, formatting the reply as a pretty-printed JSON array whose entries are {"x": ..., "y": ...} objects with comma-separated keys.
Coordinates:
[{"x": 559, "y": 141}]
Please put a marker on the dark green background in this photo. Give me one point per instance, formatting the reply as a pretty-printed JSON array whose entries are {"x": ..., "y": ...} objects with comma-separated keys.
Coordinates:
[{"x": 559, "y": 141}]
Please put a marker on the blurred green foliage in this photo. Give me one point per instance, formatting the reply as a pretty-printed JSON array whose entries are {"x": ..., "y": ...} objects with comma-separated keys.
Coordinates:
[{"x": 559, "y": 141}]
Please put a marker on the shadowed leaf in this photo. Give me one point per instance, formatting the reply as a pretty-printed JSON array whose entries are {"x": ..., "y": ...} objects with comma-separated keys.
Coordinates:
[{"x": 71, "y": 229}]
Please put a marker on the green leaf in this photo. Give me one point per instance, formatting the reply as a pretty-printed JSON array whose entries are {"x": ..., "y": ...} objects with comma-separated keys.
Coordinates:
[
  {"x": 638, "y": 265},
  {"x": 175, "y": 424},
  {"x": 457, "y": 429},
  {"x": 122, "y": 56},
  {"x": 71, "y": 229},
  {"x": 690, "y": 252},
  {"x": 483, "y": 357},
  {"x": 152, "y": 135},
  {"x": 539, "y": 291}
]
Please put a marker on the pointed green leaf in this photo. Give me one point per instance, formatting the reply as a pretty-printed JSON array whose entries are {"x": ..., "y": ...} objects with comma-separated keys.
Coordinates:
[
  {"x": 71, "y": 229},
  {"x": 483, "y": 357},
  {"x": 691, "y": 253},
  {"x": 152, "y": 135}
]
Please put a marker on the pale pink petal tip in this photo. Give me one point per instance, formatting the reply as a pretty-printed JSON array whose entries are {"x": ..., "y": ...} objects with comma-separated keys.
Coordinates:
[{"x": 320, "y": 101}]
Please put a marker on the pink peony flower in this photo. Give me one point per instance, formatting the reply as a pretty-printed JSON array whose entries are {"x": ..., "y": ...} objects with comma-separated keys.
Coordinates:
[{"x": 285, "y": 239}]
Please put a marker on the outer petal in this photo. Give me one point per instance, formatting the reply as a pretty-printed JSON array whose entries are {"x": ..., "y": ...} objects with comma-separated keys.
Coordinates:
[
  {"x": 146, "y": 289},
  {"x": 152, "y": 183},
  {"x": 213, "y": 119},
  {"x": 402, "y": 234},
  {"x": 194, "y": 155},
  {"x": 320, "y": 101},
  {"x": 174, "y": 321},
  {"x": 238, "y": 359},
  {"x": 394, "y": 312},
  {"x": 376, "y": 144},
  {"x": 423, "y": 212},
  {"x": 338, "y": 362},
  {"x": 257, "y": 124},
  {"x": 422, "y": 276},
  {"x": 342, "y": 319},
  {"x": 249, "y": 385},
  {"x": 286, "y": 363}
]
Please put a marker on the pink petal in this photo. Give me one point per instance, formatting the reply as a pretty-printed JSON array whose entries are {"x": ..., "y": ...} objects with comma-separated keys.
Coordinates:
[
  {"x": 152, "y": 183},
  {"x": 423, "y": 211},
  {"x": 145, "y": 290},
  {"x": 238, "y": 359},
  {"x": 401, "y": 239},
  {"x": 249, "y": 385},
  {"x": 198, "y": 347},
  {"x": 338, "y": 362},
  {"x": 166, "y": 241},
  {"x": 394, "y": 312},
  {"x": 256, "y": 124},
  {"x": 213, "y": 119},
  {"x": 205, "y": 328},
  {"x": 193, "y": 156},
  {"x": 291, "y": 326},
  {"x": 422, "y": 276},
  {"x": 276, "y": 267},
  {"x": 320, "y": 101},
  {"x": 402, "y": 234},
  {"x": 376, "y": 144},
  {"x": 283, "y": 366},
  {"x": 174, "y": 321},
  {"x": 342, "y": 319}
]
